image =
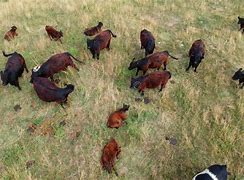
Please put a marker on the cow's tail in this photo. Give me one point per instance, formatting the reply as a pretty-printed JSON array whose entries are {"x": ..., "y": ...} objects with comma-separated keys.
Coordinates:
[
  {"x": 6, "y": 55},
  {"x": 75, "y": 58},
  {"x": 173, "y": 57},
  {"x": 112, "y": 33}
]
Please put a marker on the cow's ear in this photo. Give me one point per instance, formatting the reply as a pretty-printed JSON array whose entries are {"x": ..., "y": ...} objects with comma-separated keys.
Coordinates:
[{"x": 240, "y": 69}]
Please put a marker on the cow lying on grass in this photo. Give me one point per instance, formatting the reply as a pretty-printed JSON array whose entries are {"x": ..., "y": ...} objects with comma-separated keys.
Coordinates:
[
  {"x": 14, "y": 69},
  {"x": 110, "y": 153},
  {"x": 100, "y": 42},
  {"x": 47, "y": 91},
  {"x": 94, "y": 30},
  {"x": 117, "y": 118},
  {"x": 56, "y": 63},
  {"x": 11, "y": 33}
]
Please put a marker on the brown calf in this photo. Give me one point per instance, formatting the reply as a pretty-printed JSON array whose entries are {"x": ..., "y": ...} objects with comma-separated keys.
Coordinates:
[
  {"x": 56, "y": 63},
  {"x": 109, "y": 154},
  {"x": 11, "y": 33},
  {"x": 101, "y": 41},
  {"x": 153, "y": 80},
  {"x": 155, "y": 60},
  {"x": 53, "y": 34},
  {"x": 116, "y": 119},
  {"x": 147, "y": 41},
  {"x": 93, "y": 30}
]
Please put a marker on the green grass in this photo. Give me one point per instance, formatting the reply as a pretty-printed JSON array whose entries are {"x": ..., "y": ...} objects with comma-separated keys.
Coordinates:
[{"x": 204, "y": 111}]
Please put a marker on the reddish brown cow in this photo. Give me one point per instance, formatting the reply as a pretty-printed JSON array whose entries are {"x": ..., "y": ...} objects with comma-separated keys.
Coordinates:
[
  {"x": 117, "y": 118},
  {"x": 14, "y": 69},
  {"x": 110, "y": 152},
  {"x": 56, "y": 63},
  {"x": 11, "y": 33},
  {"x": 47, "y": 91},
  {"x": 147, "y": 41},
  {"x": 53, "y": 34},
  {"x": 153, "y": 80},
  {"x": 156, "y": 60},
  {"x": 101, "y": 41},
  {"x": 93, "y": 30}
]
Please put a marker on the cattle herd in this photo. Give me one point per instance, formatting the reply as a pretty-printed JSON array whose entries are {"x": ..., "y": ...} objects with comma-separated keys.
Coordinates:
[{"x": 48, "y": 91}]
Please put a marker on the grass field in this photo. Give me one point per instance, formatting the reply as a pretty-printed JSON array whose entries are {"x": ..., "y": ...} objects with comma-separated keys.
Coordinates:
[{"x": 203, "y": 111}]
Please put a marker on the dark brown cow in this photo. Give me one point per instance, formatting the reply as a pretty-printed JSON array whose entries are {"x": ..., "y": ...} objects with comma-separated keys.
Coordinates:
[
  {"x": 53, "y": 34},
  {"x": 100, "y": 42},
  {"x": 110, "y": 152},
  {"x": 11, "y": 33},
  {"x": 93, "y": 30},
  {"x": 117, "y": 118},
  {"x": 196, "y": 54},
  {"x": 155, "y": 60},
  {"x": 56, "y": 63},
  {"x": 154, "y": 80},
  {"x": 147, "y": 41},
  {"x": 47, "y": 91},
  {"x": 14, "y": 69},
  {"x": 241, "y": 22}
]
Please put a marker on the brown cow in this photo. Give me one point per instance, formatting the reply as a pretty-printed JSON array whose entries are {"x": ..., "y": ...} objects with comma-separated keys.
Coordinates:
[
  {"x": 14, "y": 69},
  {"x": 196, "y": 54},
  {"x": 117, "y": 118},
  {"x": 53, "y": 34},
  {"x": 153, "y": 80},
  {"x": 47, "y": 91},
  {"x": 110, "y": 152},
  {"x": 155, "y": 60},
  {"x": 11, "y": 33},
  {"x": 147, "y": 41},
  {"x": 56, "y": 63},
  {"x": 93, "y": 30},
  {"x": 101, "y": 41}
]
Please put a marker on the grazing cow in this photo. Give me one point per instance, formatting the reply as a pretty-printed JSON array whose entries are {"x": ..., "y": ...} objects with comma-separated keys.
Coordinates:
[
  {"x": 110, "y": 152},
  {"x": 154, "y": 80},
  {"x": 117, "y": 118},
  {"x": 147, "y": 41},
  {"x": 47, "y": 91},
  {"x": 155, "y": 60},
  {"x": 53, "y": 34},
  {"x": 241, "y": 22},
  {"x": 13, "y": 70},
  {"x": 135, "y": 82},
  {"x": 214, "y": 172},
  {"x": 93, "y": 30},
  {"x": 101, "y": 41},
  {"x": 196, "y": 54},
  {"x": 239, "y": 75},
  {"x": 11, "y": 33},
  {"x": 56, "y": 63}
]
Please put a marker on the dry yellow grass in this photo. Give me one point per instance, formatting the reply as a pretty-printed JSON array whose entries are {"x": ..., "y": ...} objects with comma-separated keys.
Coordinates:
[{"x": 204, "y": 111}]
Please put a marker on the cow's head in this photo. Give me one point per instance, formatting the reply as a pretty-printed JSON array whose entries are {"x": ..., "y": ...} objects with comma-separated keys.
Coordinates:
[
  {"x": 35, "y": 73},
  {"x": 238, "y": 74},
  {"x": 133, "y": 64}
]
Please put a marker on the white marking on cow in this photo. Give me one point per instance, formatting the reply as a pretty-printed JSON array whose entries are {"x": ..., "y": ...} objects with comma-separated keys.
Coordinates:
[
  {"x": 35, "y": 69},
  {"x": 206, "y": 171}
]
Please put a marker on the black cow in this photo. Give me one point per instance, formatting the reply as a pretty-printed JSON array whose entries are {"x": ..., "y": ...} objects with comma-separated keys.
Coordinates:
[
  {"x": 239, "y": 75},
  {"x": 241, "y": 22},
  {"x": 14, "y": 69}
]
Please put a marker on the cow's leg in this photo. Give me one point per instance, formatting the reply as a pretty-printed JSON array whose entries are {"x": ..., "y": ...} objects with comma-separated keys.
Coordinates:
[
  {"x": 188, "y": 66},
  {"x": 144, "y": 72},
  {"x": 98, "y": 55},
  {"x": 51, "y": 77},
  {"x": 137, "y": 71},
  {"x": 165, "y": 66},
  {"x": 16, "y": 83},
  {"x": 60, "y": 40},
  {"x": 74, "y": 66},
  {"x": 108, "y": 46},
  {"x": 195, "y": 70},
  {"x": 162, "y": 86}
]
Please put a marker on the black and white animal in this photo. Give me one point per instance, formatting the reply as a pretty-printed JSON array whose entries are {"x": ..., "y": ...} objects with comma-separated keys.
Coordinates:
[
  {"x": 214, "y": 172},
  {"x": 14, "y": 69},
  {"x": 239, "y": 75}
]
